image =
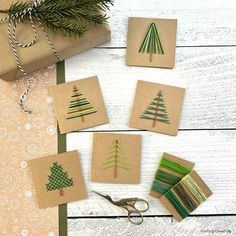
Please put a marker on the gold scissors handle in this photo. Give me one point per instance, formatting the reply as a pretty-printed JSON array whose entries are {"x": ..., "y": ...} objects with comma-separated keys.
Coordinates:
[
  {"x": 133, "y": 211},
  {"x": 129, "y": 205},
  {"x": 132, "y": 214}
]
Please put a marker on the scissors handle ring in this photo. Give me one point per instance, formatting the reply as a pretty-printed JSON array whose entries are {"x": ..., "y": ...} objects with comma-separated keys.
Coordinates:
[
  {"x": 141, "y": 200},
  {"x": 137, "y": 214}
]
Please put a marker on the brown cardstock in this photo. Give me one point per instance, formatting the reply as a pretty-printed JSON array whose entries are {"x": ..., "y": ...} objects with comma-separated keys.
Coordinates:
[
  {"x": 202, "y": 186},
  {"x": 173, "y": 99},
  {"x": 40, "y": 169},
  {"x": 137, "y": 30},
  {"x": 40, "y": 54},
  {"x": 90, "y": 89},
  {"x": 174, "y": 159},
  {"x": 131, "y": 145}
]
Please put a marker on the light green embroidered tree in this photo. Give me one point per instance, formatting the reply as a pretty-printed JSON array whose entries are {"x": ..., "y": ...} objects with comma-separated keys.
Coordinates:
[
  {"x": 79, "y": 106},
  {"x": 116, "y": 158},
  {"x": 58, "y": 179},
  {"x": 156, "y": 111},
  {"x": 152, "y": 43}
]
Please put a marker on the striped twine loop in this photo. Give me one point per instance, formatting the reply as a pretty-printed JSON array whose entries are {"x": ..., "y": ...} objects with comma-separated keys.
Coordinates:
[{"x": 12, "y": 24}]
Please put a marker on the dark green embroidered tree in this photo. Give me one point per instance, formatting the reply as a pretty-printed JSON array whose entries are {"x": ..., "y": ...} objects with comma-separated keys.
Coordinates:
[
  {"x": 79, "y": 106},
  {"x": 58, "y": 179},
  {"x": 116, "y": 158},
  {"x": 156, "y": 111},
  {"x": 152, "y": 43}
]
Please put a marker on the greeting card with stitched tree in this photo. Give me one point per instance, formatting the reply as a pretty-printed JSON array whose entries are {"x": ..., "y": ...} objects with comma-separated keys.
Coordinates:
[
  {"x": 58, "y": 180},
  {"x": 152, "y": 42},
  {"x": 156, "y": 111},
  {"x": 79, "y": 106},
  {"x": 116, "y": 158}
]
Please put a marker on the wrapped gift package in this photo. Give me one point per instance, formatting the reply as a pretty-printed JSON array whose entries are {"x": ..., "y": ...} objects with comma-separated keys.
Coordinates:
[{"x": 40, "y": 54}]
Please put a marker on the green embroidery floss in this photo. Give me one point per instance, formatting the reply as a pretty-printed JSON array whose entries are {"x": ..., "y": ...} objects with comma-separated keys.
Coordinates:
[
  {"x": 177, "y": 204},
  {"x": 164, "y": 181},
  {"x": 171, "y": 165},
  {"x": 160, "y": 187},
  {"x": 170, "y": 172},
  {"x": 194, "y": 189},
  {"x": 189, "y": 203},
  {"x": 186, "y": 195},
  {"x": 152, "y": 43},
  {"x": 116, "y": 158}
]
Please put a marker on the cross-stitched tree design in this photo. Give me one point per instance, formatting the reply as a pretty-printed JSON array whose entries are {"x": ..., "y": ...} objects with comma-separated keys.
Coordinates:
[
  {"x": 156, "y": 111},
  {"x": 58, "y": 179},
  {"x": 116, "y": 158},
  {"x": 152, "y": 43},
  {"x": 79, "y": 106}
]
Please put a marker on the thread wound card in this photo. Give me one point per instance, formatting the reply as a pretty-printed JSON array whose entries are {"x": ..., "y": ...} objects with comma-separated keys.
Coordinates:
[
  {"x": 170, "y": 171},
  {"x": 58, "y": 179},
  {"x": 186, "y": 196},
  {"x": 79, "y": 104},
  {"x": 116, "y": 158},
  {"x": 151, "y": 42},
  {"x": 157, "y": 107}
]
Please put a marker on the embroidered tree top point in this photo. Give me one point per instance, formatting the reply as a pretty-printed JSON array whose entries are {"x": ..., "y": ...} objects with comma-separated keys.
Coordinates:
[
  {"x": 79, "y": 106},
  {"x": 152, "y": 43},
  {"x": 116, "y": 158},
  {"x": 58, "y": 179},
  {"x": 156, "y": 111}
]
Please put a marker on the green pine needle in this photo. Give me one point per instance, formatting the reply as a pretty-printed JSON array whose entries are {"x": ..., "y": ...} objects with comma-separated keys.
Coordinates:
[{"x": 71, "y": 18}]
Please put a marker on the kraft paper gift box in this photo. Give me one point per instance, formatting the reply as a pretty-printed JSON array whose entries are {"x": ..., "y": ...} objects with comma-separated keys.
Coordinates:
[{"x": 40, "y": 54}]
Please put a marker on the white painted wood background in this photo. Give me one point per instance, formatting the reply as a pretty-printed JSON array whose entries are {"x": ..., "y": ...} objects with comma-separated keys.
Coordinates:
[{"x": 206, "y": 67}]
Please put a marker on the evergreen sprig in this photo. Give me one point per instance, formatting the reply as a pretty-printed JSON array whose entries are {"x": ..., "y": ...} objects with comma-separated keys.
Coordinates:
[{"x": 71, "y": 18}]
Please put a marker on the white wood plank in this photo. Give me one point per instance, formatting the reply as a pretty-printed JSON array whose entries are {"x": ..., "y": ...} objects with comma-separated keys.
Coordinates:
[
  {"x": 212, "y": 151},
  {"x": 199, "y": 22},
  {"x": 192, "y": 226},
  {"x": 208, "y": 74}
]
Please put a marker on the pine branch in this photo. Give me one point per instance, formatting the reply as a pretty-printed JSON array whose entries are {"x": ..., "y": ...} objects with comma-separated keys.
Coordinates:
[{"x": 71, "y": 18}]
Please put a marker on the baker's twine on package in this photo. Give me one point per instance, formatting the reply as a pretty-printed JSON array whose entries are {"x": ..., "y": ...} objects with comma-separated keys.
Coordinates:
[{"x": 13, "y": 21}]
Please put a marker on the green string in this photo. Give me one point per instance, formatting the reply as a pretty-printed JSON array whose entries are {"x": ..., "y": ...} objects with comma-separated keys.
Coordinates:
[
  {"x": 171, "y": 165},
  {"x": 177, "y": 204},
  {"x": 167, "y": 178},
  {"x": 159, "y": 186},
  {"x": 164, "y": 181},
  {"x": 185, "y": 198}
]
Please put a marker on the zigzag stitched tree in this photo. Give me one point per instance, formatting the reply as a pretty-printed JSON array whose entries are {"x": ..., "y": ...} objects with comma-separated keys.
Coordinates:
[
  {"x": 79, "y": 106},
  {"x": 156, "y": 111},
  {"x": 58, "y": 179},
  {"x": 152, "y": 43},
  {"x": 116, "y": 158}
]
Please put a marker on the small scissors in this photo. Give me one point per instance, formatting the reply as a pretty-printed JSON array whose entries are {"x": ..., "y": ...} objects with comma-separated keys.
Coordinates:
[{"x": 129, "y": 205}]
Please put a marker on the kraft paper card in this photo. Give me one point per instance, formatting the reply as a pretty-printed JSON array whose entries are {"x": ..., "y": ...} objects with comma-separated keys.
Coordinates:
[
  {"x": 58, "y": 179},
  {"x": 116, "y": 158},
  {"x": 79, "y": 104},
  {"x": 151, "y": 42},
  {"x": 186, "y": 196},
  {"x": 157, "y": 107}
]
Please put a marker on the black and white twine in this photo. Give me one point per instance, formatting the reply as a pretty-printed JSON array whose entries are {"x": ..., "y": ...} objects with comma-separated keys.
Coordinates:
[{"x": 13, "y": 21}]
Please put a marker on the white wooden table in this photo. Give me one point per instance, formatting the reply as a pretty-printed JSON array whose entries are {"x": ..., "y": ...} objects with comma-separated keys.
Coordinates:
[{"x": 206, "y": 67}]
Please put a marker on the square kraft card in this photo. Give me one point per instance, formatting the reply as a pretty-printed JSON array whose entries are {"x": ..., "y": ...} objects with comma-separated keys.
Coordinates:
[
  {"x": 79, "y": 104},
  {"x": 58, "y": 179},
  {"x": 116, "y": 158},
  {"x": 151, "y": 42},
  {"x": 157, "y": 107}
]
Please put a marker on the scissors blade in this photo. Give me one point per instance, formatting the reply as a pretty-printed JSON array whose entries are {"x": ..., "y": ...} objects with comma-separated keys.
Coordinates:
[{"x": 100, "y": 194}]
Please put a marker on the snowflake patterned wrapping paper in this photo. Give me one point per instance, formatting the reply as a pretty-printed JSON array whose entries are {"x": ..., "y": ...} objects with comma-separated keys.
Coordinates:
[{"x": 24, "y": 137}]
